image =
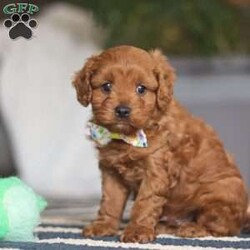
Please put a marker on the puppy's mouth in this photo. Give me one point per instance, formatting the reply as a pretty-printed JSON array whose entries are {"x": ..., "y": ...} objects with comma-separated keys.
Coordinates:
[{"x": 123, "y": 127}]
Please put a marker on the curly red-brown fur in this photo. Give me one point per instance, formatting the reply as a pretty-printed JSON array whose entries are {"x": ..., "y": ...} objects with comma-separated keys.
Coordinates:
[{"x": 185, "y": 172}]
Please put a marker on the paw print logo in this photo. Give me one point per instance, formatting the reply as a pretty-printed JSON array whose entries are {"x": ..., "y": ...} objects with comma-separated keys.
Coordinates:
[{"x": 20, "y": 26}]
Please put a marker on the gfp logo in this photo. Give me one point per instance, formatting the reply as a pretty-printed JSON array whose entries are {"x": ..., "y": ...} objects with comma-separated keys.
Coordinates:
[{"x": 20, "y": 23}]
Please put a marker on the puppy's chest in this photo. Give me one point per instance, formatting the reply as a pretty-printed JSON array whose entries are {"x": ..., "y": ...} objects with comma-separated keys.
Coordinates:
[
  {"x": 132, "y": 173},
  {"x": 118, "y": 159}
]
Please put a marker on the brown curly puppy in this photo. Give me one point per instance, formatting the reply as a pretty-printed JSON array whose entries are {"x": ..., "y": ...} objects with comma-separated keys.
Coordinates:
[{"x": 184, "y": 173}]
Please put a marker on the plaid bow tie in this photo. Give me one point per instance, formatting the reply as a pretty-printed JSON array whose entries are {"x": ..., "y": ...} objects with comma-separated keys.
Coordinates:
[{"x": 103, "y": 136}]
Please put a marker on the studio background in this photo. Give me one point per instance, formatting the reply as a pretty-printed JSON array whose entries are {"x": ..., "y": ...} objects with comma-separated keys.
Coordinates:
[{"x": 42, "y": 126}]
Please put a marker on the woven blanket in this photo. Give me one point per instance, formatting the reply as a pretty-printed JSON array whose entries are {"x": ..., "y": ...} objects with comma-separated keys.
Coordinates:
[{"x": 61, "y": 229}]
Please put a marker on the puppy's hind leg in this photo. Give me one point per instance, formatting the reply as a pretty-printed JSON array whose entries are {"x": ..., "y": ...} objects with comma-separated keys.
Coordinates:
[
  {"x": 222, "y": 219},
  {"x": 184, "y": 229},
  {"x": 217, "y": 218},
  {"x": 224, "y": 208},
  {"x": 167, "y": 227}
]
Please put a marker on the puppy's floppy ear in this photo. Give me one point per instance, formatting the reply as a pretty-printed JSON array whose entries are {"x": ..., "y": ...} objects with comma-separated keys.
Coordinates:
[
  {"x": 82, "y": 81},
  {"x": 165, "y": 76}
]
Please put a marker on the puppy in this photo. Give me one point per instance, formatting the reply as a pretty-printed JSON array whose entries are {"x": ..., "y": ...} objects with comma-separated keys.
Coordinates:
[{"x": 181, "y": 171}]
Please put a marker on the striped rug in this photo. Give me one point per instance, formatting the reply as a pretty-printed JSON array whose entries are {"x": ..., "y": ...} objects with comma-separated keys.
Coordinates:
[
  {"x": 57, "y": 236},
  {"x": 61, "y": 229}
]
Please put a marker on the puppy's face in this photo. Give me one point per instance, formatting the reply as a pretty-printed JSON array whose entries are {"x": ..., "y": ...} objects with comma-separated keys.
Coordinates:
[{"x": 126, "y": 87}]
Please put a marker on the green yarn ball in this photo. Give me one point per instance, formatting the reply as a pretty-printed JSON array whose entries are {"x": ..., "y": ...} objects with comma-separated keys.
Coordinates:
[{"x": 20, "y": 210}]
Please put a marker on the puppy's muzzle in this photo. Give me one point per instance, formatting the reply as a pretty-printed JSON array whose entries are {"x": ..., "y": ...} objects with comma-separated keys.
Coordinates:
[{"x": 122, "y": 111}]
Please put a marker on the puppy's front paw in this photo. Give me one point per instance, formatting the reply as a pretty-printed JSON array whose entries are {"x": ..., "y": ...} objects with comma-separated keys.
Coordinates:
[
  {"x": 135, "y": 233},
  {"x": 99, "y": 229}
]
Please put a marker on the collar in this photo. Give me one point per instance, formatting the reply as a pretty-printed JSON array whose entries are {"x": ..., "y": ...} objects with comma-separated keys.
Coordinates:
[{"x": 103, "y": 136}]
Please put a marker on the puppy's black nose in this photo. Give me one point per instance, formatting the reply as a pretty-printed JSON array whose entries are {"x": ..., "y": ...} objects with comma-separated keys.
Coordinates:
[{"x": 122, "y": 111}]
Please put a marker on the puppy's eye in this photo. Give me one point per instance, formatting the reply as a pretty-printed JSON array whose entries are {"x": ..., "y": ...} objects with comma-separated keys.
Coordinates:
[
  {"x": 106, "y": 87},
  {"x": 140, "y": 89}
]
